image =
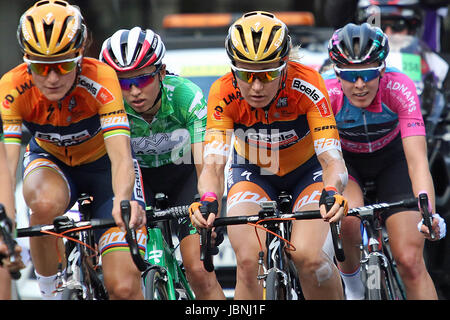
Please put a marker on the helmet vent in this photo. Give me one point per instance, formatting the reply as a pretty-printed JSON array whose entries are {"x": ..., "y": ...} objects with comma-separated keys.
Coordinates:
[
  {"x": 64, "y": 27},
  {"x": 271, "y": 36},
  {"x": 61, "y": 3},
  {"x": 48, "y": 28},
  {"x": 41, "y": 3},
  {"x": 256, "y": 35},
  {"x": 241, "y": 35}
]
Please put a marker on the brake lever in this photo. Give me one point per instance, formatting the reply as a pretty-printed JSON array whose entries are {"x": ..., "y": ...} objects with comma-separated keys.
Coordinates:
[
  {"x": 205, "y": 243},
  {"x": 426, "y": 215},
  {"x": 130, "y": 236}
]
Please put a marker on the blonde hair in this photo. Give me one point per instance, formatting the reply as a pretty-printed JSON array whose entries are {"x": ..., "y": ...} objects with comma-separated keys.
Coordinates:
[{"x": 295, "y": 55}]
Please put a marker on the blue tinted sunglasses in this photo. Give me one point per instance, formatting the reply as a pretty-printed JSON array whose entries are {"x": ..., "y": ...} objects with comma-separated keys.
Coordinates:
[
  {"x": 139, "y": 81},
  {"x": 352, "y": 75}
]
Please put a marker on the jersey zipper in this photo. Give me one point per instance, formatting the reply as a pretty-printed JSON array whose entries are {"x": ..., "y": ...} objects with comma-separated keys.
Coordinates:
[{"x": 366, "y": 130}]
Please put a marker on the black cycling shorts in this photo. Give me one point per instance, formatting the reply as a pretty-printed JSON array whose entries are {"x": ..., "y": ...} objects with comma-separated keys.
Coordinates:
[
  {"x": 387, "y": 169},
  {"x": 179, "y": 184}
]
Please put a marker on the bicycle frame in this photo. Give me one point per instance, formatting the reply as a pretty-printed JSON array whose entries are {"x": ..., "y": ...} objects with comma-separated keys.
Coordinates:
[
  {"x": 375, "y": 253},
  {"x": 376, "y": 246},
  {"x": 159, "y": 253}
]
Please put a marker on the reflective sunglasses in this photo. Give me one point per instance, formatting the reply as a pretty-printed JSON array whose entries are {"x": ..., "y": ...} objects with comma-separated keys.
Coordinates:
[
  {"x": 139, "y": 81},
  {"x": 266, "y": 75},
  {"x": 43, "y": 68},
  {"x": 352, "y": 75}
]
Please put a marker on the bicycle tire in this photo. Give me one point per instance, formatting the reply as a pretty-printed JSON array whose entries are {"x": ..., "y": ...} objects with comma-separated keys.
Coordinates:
[
  {"x": 398, "y": 290},
  {"x": 295, "y": 292},
  {"x": 155, "y": 285},
  {"x": 275, "y": 288},
  {"x": 375, "y": 280}
]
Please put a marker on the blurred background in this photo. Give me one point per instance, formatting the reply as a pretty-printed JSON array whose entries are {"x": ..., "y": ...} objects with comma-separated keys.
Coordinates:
[{"x": 194, "y": 42}]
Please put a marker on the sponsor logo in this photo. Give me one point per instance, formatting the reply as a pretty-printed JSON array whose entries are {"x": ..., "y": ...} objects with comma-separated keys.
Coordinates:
[
  {"x": 313, "y": 94},
  {"x": 96, "y": 90},
  {"x": 138, "y": 189},
  {"x": 332, "y": 126},
  {"x": 247, "y": 196},
  {"x": 63, "y": 140},
  {"x": 217, "y": 114},
  {"x": 273, "y": 140},
  {"x": 321, "y": 145}
]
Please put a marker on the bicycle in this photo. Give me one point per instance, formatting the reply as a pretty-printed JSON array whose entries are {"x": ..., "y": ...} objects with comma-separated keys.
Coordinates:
[
  {"x": 379, "y": 272},
  {"x": 280, "y": 277},
  {"x": 163, "y": 275},
  {"x": 83, "y": 278}
]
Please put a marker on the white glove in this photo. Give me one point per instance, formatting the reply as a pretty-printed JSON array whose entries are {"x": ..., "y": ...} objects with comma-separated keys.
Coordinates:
[{"x": 442, "y": 226}]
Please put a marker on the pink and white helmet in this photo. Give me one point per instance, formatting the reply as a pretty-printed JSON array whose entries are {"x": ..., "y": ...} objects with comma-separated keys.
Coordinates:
[{"x": 132, "y": 49}]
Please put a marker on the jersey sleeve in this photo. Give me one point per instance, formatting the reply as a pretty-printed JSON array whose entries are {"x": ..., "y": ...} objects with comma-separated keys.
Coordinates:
[
  {"x": 11, "y": 117},
  {"x": 113, "y": 118},
  {"x": 219, "y": 122},
  {"x": 320, "y": 116},
  {"x": 405, "y": 102}
]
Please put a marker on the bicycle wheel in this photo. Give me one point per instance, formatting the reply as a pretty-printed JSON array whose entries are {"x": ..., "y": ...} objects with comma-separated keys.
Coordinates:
[
  {"x": 275, "y": 288},
  {"x": 375, "y": 279},
  {"x": 155, "y": 285},
  {"x": 295, "y": 292}
]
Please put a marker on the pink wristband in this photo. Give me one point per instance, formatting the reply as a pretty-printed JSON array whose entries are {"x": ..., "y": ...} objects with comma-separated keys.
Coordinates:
[{"x": 208, "y": 194}]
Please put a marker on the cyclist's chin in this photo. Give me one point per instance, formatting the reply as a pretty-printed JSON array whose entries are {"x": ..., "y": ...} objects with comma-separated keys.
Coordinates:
[
  {"x": 258, "y": 101},
  {"x": 55, "y": 94},
  {"x": 361, "y": 102}
]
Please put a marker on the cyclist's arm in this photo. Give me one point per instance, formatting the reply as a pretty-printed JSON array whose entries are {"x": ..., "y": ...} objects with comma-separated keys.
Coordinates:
[
  {"x": 123, "y": 178},
  {"x": 334, "y": 171},
  {"x": 6, "y": 185},
  {"x": 211, "y": 178},
  {"x": 197, "y": 154},
  {"x": 415, "y": 149},
  {"x": 327, "y": 147},
  {"x": 407, "y": 105},
  {"x": 12, "y": 158}
]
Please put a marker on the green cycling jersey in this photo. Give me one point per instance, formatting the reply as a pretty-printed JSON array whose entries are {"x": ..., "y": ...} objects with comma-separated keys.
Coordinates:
[{"x": 180, "y": 121}]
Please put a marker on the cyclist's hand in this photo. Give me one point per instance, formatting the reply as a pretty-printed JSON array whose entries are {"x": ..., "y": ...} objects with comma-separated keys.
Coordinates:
[
  {"x": 438, "y": 226},
  {"x": 217, "y": 237},
  {"x": 17, "y": 263},
  {"x": 339, "y": 208},
  {"x": 210, "y": 206},
  {"x": 137, "y": 220}
]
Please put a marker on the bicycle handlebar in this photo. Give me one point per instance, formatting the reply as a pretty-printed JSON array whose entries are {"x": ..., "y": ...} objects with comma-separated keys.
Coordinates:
[
  {"x": 125, "y": 209},
  {"x": 6, "y": 234},
  {"x": 378, "y": 207},
  {"x": 152, "y": 215},
  {"x": 65, "y": 224}
]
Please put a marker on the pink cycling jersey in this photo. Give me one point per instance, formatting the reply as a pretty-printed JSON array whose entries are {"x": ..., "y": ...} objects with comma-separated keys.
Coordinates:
[{"x": 396, "y": 108}]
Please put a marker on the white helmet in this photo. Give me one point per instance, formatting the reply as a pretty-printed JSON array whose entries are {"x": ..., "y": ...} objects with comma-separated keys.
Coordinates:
[{"x": 132, "y": 49}]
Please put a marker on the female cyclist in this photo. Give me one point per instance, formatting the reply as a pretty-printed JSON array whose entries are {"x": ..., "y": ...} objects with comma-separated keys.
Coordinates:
[
  {"x": 286, "y": 140},
  {"x": 80, "y": 142},
  {"x": 167, "y": 116},
  {"x": 383, "y": 139}
]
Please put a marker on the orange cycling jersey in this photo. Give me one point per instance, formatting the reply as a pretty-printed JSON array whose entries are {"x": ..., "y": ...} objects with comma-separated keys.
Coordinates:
[
  {"x": 287, "y": 133},
  {"x": 74, "y": 128}
]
